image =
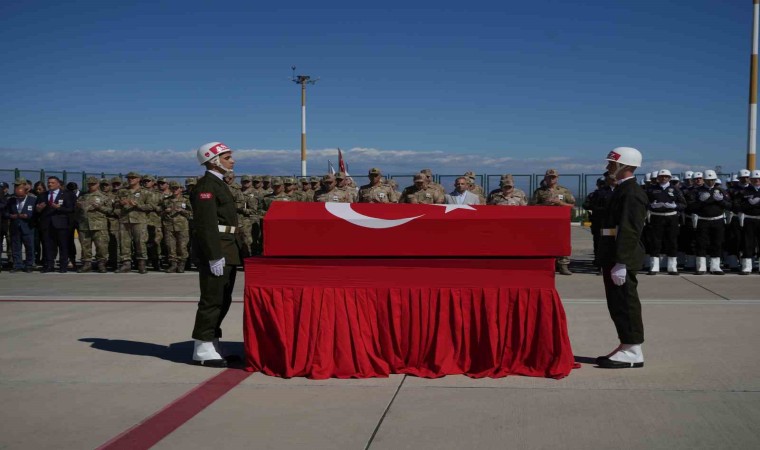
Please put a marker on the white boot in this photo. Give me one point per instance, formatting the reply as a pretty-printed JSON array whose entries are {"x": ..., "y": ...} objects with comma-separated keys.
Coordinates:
[
  {"x": 715, "y": 266},
  {"x": 673, "y": 265},
  {"x": 746, "y": 266},
  {"x": 654, "y": 265},
  {"x": 628, "y": 355},
  {"x": 205, "y": 351},
  {"x": 701, "y": 265}
]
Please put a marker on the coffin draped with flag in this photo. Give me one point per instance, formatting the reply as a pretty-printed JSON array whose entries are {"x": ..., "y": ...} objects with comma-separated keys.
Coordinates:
[{"x": 365, "y": 290}]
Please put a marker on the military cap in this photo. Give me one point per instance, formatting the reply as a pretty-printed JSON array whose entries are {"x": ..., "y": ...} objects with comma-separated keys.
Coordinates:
[
  {"x": 303, "y": 180},
  {"x": 266, "y": 178},
  {"x": 256, "y": 178},
  {"x": 174, "y": 185},
  {"x": 340, "y": 175},
  {"x": 116, "y": 180},
  {"x": 552, "y": 173},
  {"x": 328, "y": 177},
  {"x": 245, "y": 178},
  {"x": 469, "y": 174},
  {"x": 148, "y": 178},
  {"x": 92, "y": 180},
  {"x": 162, "y": 180},
  {"x": 427, "y": 172},
  {"x": 3, "y": 184},
  {"x": 19, "y": 181},
  {"x": 276, "y": 181},
  {"x": 288, "y": 180},
  {"x": 420, "y": 177},
  {"x": 133, "y": 175},
  {"x": 314, "y": 180},
  {"x": 507, "y": 180},
  {"x": 104, "y": 181},
  {"x": 374, "y": 171},
  {"x": 190, "y": 181}
]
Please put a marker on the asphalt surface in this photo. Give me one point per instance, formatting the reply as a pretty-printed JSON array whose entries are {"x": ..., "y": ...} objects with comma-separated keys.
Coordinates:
[{"x": 87, "y": 357}]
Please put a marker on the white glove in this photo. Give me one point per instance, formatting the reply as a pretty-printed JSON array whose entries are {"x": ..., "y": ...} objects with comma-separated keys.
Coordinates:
[
  {"x": 754, "y": 200},
  {"x": 618, "y": 273},
  {"x": 217, "y": 267},
  {"x": 717, "y": 195},
  {"x": 656, "y": 205},
  {"x": 704, "y": 196},
  {"x": 670, "y": 205}
]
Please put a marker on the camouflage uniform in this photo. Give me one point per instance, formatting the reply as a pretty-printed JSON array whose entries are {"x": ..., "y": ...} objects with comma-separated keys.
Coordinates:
[
  {"x": 271, "y": 198},
  {"x": 426, "y": 194},
  {"x": 348, "y": 189},
  {"x": 378, "y": 193},
  {"x": 544, "y": 196},
  {"x": 92, "y": 211},
  {"x": 133, "y": 219},
  {"x": 113, "y": 222},
  {"x": 333, "y": 195},
  {"x": 155, "y": 230},
  {"x": 175, "y": 214},
  {"x": 247, "y": 208},
  {"x": 513, "y": 197}
]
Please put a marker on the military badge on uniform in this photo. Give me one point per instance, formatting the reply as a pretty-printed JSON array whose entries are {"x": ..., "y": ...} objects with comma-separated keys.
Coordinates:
[{"x": 205, "y": 195}]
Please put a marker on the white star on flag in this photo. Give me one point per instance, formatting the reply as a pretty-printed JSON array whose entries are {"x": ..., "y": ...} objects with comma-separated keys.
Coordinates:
[{"x": 450, "y": 208}]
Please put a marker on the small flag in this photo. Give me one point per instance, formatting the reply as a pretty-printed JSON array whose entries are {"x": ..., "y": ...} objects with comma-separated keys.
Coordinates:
[{"x": 330, "y": 168}]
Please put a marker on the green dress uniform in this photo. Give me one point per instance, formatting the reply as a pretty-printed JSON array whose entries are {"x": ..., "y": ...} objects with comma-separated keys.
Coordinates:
[
  {"x": 214, "y": 225},
  {"x": 620, "y": 242}
]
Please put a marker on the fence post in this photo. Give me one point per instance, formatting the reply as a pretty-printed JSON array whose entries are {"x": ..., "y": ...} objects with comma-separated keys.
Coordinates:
[{"x": 42, "y": 176}]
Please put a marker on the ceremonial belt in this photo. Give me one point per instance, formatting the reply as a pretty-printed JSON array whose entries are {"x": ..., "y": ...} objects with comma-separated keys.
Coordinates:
[
  {"x": 227, "y": 229},
  {"x": 609, "y": 231},
  {"x": 710, "y": 218},
  {"x": 747, "y": 216},
  {"x": 670, "y": 213}
]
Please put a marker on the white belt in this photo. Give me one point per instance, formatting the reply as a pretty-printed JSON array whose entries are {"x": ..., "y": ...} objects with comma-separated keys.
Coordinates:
[
  {"x": 671, "y": 213},
  {"x": 609, "y": 231},
  {"x": 747, "y": 216},
  {"x": 711, "y": 218},
  {"x": 227, "y": 229}
]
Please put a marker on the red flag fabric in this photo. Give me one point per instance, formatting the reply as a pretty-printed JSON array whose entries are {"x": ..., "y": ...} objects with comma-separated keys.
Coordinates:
[{"x": 341, "y": 163}]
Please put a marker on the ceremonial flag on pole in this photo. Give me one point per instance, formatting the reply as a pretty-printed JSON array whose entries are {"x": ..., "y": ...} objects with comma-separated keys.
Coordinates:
[
  {"x": 341, "y": 163},
  {"x": 330, "y": 168}
]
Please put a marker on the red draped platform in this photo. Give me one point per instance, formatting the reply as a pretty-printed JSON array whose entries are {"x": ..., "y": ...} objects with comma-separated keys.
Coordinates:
[{"x": 347, "y": 316}]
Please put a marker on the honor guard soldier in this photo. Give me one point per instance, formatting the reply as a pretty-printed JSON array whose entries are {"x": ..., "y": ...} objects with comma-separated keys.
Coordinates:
[
  {"x": 621, "y": 254},
  {"x": 375, "y": 191},
  {"x": 734, "y": 238},
  {"x": 330, "y": 193},
  {"x": 134, "y": 206},
  {"x": 708, "y": 204},
  {"x": 93, "y": 209},
  {"x": 215, "y": 223},
  {"x": 552, "y": 194},
  {"x": 665, "y": 202},
  {"x": 749, "y": 220},
  {"x": 176, "y": 212},
  {"x": 507, "y": 194},
  {"x": 421, "y": 192},
  {"x": 596, "y": 205},
  {"x": 278, "y": 194}
]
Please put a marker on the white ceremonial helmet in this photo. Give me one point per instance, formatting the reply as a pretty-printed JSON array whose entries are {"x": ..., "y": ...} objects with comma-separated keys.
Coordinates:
[
  {"x": 207, "y": 152},
  {"x": 696, "y": 175},
  {"x": 688, "y": 174},
  {"x": 710, "y": 175},
  {"x": 735, "y": 178},
  {"x": 743, "y": 173},
  {"x": 718, "y": 181},
  {"x": 755, "y": 174},
  {"x": 664, "y": 173},
  {"x": 653, "y": 175},
  {"x": 627, "y": 156},
  {"x": 675, "y": 178}
]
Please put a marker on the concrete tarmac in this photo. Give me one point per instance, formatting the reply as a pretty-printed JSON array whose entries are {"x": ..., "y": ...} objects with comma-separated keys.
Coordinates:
[{"x": 86, "y": 357}]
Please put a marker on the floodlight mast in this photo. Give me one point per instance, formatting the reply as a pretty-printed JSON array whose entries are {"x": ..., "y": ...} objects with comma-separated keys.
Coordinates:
[{"x": 303, "y": 80}]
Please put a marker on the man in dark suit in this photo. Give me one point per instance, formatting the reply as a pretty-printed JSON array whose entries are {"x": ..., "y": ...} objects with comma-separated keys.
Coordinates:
[
  {"x": 21, "y": 211},
  {"x": 55, "y": 207},
  {"x": 621, "y": 254},
  {"x": 215, "y": 222}
]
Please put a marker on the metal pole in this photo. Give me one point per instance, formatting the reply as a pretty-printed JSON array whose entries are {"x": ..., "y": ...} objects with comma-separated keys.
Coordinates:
[
  {"x": 752, "y": 139},
  {"x": 303, "y": 127}
]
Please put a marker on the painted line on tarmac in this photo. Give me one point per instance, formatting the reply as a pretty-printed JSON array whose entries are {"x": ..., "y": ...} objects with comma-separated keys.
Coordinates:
[
  {"x": 150, "y": 431},
  {"x": 708, "y": 290}
]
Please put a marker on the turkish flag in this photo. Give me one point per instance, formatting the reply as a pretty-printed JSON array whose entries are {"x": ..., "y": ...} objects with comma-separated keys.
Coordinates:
[{"x": 373, "y": 229}]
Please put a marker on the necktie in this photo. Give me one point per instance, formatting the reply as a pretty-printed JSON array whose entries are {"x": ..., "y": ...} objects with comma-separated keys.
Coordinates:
[{"x": 50, "y": 200}]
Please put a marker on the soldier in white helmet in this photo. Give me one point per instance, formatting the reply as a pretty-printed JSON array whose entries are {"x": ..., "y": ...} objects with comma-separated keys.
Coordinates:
[
  {"x": 687, "y": 237},
  {"x": 215, "y": 222},
  {"x": 749, "y": 218},
  {"x": 734, "y": 239},
  {"x": 708, "y": 204},
  {"x": 621, "y": 254},
  {"x": 665, "y": 202}
]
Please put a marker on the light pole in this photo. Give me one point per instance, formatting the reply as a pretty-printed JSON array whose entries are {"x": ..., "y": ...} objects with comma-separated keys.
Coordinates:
[
  {"x": 303, "y": 80},
  {"x": 752, "y": 138}
]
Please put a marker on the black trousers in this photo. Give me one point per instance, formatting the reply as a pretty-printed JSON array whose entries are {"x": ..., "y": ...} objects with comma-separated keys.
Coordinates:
[
  {"x": 710, "y": 234},
  {"x": 734, "y": 239},
  {"x": 686, "y": 238},
  {"x": 215, "y": 301},
  {"x": 751, "y": 235},
  {"x": 624, "y": 307},
  {"x": 663, "y": 236},
  {"x": 55, "y": 240}
]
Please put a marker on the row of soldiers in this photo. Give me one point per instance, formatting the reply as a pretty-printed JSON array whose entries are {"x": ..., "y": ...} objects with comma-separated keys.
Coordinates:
[{"x": 694, "y": 221}]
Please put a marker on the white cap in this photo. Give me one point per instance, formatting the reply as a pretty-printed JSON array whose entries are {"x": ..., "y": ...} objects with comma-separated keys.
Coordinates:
[
  {"x": 628, "y": 156},
  {"x": 688, "y": 174},
  {"x": 735, "y": 178},
  {"x": 675, "y": 178},
  {"x": 710, "y": 175},
  {"x": 697, "y": 175},
  {"x": 209, "y": 151},
  {"x": 664, "y": 173},
  {"x": 743, "y": 173},
  {"x": 755, "y": 174},
  {"x": 718, "y": 181}
]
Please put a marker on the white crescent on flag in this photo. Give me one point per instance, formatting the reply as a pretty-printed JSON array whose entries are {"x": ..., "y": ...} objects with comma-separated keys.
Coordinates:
[{"x": 345, "y": 212}]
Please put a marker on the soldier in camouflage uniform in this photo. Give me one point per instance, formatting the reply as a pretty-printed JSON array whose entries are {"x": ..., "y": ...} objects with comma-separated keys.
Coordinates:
[
  {"x": 258, "y": 191},
  {"x": 552, "y": 194},
  {"x": 278, "y": 195},
  {"x": 175, "y": 214},
  {"x": 155, "y": 230},
  {"x": 92, "y": 210},
  {"x": 329, "y": 192},
  {"x": 190, "y": 183},
  {"x": 291, "y": 188},
  {"x": 395, "y": 194},
  {"x": 247, "y": 215},
  {"x": 432, "y": 184},
  {"x": 421, "y": 192},
  {"x": 507, "y": 194},
  {"x": 375, "y": 191},
  {"x": 474, "y": 187},
  {"x": 341, "y": 183},
  {"x": 133, "y": 219},
  {"x": 106, "y": 187},
  {"x": 305, "y": 194},
  {"x": 314, "y": 182},
  {"x": 266, "y": 184}
]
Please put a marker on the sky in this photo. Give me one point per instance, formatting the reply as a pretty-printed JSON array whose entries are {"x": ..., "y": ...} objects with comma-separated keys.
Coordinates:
[{"x": 493, "y": 87}]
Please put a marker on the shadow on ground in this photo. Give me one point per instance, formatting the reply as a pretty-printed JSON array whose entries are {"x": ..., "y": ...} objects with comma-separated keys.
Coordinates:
[{"x": 178, "y": 352}]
